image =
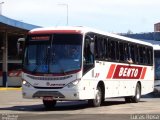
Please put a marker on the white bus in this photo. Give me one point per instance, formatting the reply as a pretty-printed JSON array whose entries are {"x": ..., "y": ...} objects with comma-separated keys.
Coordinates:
[{"x": 80, "y": 63}]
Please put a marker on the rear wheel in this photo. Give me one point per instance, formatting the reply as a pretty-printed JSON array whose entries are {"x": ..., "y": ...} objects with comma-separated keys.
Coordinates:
[
  {"x": 98, "y": 98},
  {"x": 49, "y": 104},
  {"x": 136, "y": 97}
]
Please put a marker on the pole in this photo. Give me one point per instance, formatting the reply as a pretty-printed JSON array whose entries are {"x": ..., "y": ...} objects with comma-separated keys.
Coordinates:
[{"x": 5, "y": 59}]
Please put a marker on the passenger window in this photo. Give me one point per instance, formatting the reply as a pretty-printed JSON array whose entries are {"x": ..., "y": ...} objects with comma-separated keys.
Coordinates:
[
  {"x": 101, "y": 48},
  {"x": 111, "y": 48},
  {"x": 126, "y": 53},
  {"x": 117, "y": 57},
  {"x": 132, "y": 51},
  {"x": 97, "y": 48},
  {"x": 149, "y": 56},
  {"x": 140, "y": 54},
  {"x": 136, "y": 54},
  {"x": 121, "y": 51},
  {"x": 106, "y": 49}
]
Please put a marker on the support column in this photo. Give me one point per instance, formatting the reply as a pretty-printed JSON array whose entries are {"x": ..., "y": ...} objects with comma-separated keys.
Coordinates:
[{"x": 5, "y": 59}]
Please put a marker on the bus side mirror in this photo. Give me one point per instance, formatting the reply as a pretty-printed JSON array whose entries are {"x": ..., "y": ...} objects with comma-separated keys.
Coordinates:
[{"x": 20, "y": 45}]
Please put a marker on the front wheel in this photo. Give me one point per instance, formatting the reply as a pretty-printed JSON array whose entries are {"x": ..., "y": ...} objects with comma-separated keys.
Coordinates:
[
  {"x": 49, "y": 104},
  {"x": 98, "y": 98}
]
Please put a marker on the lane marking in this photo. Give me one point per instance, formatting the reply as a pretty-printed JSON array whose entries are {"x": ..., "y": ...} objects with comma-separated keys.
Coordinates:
[{"x": 10, "y": 88}]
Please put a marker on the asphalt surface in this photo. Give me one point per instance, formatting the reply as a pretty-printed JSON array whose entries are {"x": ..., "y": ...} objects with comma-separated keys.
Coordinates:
[{"x": 14, "y": 107}]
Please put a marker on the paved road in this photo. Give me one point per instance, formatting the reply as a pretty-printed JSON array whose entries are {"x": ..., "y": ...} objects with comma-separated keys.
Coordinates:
[{"x": 12, "y": 105}]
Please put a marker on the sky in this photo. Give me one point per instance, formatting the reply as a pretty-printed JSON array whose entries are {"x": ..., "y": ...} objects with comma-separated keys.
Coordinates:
[{"x": 116, "y": 16}]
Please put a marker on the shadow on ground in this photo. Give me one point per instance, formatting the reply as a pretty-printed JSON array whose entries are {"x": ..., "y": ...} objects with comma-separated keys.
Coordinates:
[
  {"x": 61, "y": 106},
  {"x": 152, "y": 95}
]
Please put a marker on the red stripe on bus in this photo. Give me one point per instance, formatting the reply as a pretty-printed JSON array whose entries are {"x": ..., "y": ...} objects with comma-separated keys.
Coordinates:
[
  {"x": 54, "y": 31},
  {"x": 111, "y": 70},
  {"x": 127, "y": 72},
  {"x": 143, "y": 72}
]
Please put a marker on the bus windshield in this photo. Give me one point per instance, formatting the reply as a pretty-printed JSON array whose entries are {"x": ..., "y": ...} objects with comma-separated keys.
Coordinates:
[
  {"x": 58, "y": 54},
  {"x": 157, "y": 65}
]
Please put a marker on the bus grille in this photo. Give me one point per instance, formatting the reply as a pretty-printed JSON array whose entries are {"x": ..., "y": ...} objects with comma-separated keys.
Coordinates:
[
  {"x": 49, "y": 78},
  {"x": 54, "y": 94},
  {"x": 47, "y": 87}
]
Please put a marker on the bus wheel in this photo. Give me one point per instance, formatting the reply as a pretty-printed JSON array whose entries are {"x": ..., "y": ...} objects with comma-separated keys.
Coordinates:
[
  {"x": 49, "y": 104},
  {"x": 137, "y": 96},
  {"x": 98, "y": 98}
]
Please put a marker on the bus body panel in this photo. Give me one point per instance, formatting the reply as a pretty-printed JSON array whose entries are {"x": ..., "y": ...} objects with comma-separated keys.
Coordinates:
[{"x": 89, "y": 82}]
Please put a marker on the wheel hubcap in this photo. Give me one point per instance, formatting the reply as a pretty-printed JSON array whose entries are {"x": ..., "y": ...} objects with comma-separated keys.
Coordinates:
[
  {"x": 98, "y": 97},
  {"x": 138, "y": 94}
]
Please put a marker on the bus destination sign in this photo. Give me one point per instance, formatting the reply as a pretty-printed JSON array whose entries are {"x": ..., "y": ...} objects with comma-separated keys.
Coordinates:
[{"x": 40, "y": 37}]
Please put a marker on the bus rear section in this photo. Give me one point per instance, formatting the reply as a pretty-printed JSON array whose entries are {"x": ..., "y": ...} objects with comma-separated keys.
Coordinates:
[
  {"x": 84, "y": 64},
  {"x": 157, "y": 68}
]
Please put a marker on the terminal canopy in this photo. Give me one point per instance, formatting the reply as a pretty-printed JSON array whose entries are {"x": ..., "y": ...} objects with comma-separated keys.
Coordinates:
[{"x": 13, "y": 26}]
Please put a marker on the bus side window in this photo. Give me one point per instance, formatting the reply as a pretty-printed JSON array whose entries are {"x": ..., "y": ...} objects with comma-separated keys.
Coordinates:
[
  {"x": 97, "y": 49},
  {"x": 144, "y": 57},
  {"x": 121, "y": 51},
  {"x": 136, "y": 54},
  {"x": 126, "y": 53},
  {"x": 132, "y": 51},
  {"x": 140, "y": 49},
  {"x": 89, "y": 51},
  {"x": 88, "y": 60},
  {"x": 100, "y": 46},
  {"x": 112, "y": 52},
  {"x": 117, "y": 53},
  {"x": 150, "y": 56},
  {"x": 106, "y": 48},
  {"x": 103, "y": 48},
  {"x": 109, "y": 49}
]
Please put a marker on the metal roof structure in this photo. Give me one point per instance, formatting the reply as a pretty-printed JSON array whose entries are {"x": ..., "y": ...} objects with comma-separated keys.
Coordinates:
[{"x": 14, "y": 26}]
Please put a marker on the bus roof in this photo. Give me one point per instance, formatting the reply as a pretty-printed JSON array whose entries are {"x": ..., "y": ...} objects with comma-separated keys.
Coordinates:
[
  {"x": 83, "y": 30},
  {"x": 156, "y": 46},
  {"x": 155, "y": 43}
]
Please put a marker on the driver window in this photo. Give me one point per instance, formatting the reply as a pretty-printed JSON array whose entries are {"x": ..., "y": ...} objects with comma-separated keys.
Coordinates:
[{"x": 88, "y": 57}]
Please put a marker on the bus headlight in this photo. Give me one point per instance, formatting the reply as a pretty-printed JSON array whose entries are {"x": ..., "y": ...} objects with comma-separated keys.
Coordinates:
[
  {"x": 25, "y": 83},
  {"x": 73, "y": 83}
]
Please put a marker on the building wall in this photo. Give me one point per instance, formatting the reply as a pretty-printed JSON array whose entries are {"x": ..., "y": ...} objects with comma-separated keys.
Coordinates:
[
  {"x": 144, "y": 36},
  {"x": 157, "y": 27}
]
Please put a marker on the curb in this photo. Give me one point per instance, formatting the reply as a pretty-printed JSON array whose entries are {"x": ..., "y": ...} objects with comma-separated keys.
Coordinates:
[{"x": 10, "y": 88}]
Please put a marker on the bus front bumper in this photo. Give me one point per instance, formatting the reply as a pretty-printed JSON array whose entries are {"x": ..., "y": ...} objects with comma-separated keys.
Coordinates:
[{"x": 56, "y": 94}]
